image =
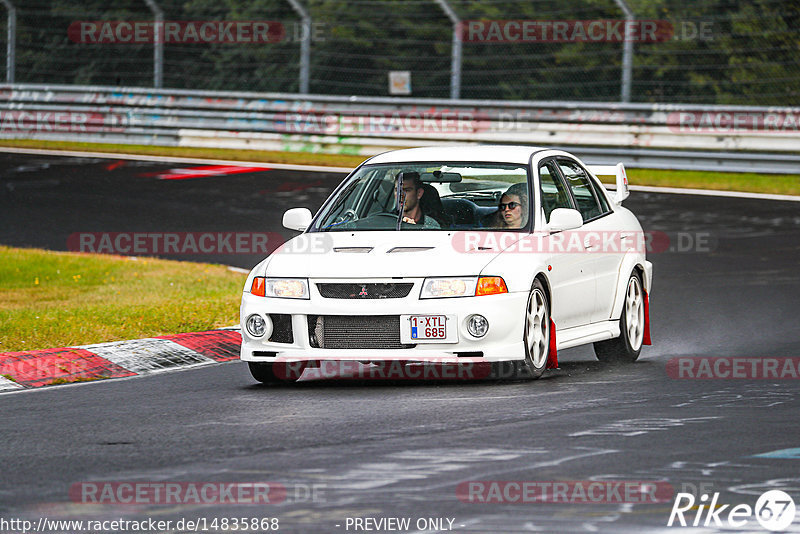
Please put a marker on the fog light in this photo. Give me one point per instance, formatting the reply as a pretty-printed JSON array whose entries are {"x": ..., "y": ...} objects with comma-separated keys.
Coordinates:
[
  {"x": 477, "y": 325},
  {"x": 256, "y": 325}
]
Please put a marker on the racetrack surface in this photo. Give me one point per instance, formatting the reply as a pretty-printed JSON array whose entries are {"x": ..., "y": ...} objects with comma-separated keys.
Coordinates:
[{"x": 401, "y": 449}]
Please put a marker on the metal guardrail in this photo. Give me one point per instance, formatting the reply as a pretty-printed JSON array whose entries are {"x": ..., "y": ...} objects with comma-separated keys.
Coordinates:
[{"x": 721, "y": 138}]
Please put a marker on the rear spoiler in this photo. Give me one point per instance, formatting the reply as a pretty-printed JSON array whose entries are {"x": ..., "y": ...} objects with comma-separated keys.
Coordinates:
[{"x": 617, "y": 170}]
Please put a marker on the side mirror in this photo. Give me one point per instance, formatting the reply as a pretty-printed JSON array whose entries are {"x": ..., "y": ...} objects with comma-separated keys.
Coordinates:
[
  {"x": 562, "y": 219},
  {"x": 297, "y": 219}
]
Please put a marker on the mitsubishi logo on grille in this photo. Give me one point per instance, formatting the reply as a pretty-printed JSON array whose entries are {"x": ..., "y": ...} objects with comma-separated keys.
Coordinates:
[{"x": 363, "y": 292}]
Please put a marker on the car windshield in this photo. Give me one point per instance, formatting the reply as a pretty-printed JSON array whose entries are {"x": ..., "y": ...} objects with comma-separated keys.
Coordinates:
[{"x": 435, "y": 196}]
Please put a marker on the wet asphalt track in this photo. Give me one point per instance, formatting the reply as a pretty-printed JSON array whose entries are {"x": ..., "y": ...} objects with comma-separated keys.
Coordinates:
[{"x": 401, "y": 449}]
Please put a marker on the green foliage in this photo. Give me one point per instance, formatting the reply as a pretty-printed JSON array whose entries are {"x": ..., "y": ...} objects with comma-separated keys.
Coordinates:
[{"x": 746, "y": 56}]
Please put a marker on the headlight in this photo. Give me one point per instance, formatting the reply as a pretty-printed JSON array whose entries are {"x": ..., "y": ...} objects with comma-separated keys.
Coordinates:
[
  {"x": 285, "y": 288},
  {"x": 462, "y": 286},
  {"x": 433, "y": 288}
]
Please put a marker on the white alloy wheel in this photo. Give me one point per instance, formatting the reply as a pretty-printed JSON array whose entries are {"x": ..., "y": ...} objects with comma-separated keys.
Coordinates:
[
  {"x": 628, "y": 345},
  {"x": 538, "y": 329},
  {"x": 536, "y": 334},
  {"x": 634, "y": 313}
]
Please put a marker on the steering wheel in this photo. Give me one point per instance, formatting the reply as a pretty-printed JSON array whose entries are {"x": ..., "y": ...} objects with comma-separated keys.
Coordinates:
[{"x": 382, "y": 214}]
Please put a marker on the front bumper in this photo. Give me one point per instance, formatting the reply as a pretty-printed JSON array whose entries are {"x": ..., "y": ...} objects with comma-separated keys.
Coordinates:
[{"x": 503, "y": 341}]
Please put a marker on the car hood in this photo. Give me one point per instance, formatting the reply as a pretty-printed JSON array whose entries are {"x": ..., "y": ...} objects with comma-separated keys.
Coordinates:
[{"x": 387, "y": 254}]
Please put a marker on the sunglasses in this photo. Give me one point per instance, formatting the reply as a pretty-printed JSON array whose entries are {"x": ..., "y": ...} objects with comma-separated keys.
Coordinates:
[{"x": 510, "y": 205}]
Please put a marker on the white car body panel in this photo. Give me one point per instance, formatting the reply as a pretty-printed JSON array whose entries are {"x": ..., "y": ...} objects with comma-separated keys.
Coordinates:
[
  {"x": 502, "y": 340},
  {"x": 304, "y": 252},
  {"x": 585, "y": 288}
]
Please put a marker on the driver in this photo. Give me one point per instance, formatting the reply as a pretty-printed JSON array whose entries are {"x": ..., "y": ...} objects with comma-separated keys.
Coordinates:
[{"x": 412, "y": 193}]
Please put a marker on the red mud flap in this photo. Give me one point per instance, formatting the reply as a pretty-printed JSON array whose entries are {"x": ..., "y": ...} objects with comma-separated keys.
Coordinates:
[
  {"x": 552, "y": 354},
  {"x": 646, "y": 339}
]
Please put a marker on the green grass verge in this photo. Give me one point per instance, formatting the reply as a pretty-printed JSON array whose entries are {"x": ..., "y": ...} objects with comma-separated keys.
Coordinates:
[
  {"x": 264, "y": 156},
  {"x": 785, "y": 184},
  {"x": 781, "y": 184},
  {"x": 57, "y": 299}
]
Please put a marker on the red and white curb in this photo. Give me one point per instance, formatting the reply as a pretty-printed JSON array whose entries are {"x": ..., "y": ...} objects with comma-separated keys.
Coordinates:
[{"x": 117, "y": 359}]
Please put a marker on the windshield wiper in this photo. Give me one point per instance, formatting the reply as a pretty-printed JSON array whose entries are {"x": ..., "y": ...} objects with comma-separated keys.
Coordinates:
[{"x": 400, "y": 200}]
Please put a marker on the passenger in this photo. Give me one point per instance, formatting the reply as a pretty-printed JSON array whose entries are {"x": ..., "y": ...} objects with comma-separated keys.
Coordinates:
[
  {"x": 412, "y": 210},
  {"x": 513, "y": 209}
]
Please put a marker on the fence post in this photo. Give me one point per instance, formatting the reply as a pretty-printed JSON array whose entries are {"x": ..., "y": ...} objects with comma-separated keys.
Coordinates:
[
  {"x": 11, "y": 48},
  {"x": 627, "y": 52},
  {"x": 158, "y": 46},
  {"x": 455, "y": 60},
  {"x": 305, "y": 46}
]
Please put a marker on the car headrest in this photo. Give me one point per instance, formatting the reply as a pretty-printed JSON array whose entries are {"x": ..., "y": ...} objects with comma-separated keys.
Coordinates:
[{"x": 430, "y": 201}]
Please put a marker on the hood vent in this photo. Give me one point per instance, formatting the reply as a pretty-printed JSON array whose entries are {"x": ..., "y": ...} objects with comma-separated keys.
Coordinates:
[
  {"x": 408, "y": 249},
  {"x": 353, "y": 250}
]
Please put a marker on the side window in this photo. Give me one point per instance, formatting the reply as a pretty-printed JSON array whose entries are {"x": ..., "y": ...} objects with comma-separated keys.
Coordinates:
[
  {"x": 553, "y": 193},
  {"x": 601, "y": 198},
  {"x": 587, "y": 199}
]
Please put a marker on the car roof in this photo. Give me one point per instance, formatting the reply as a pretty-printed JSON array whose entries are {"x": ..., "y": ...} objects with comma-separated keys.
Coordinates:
[{"x": 470, "y": 153}]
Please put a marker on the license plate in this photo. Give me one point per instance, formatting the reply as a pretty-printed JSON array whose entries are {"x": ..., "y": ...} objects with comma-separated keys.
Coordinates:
[
  {"x": 426, "y": 327},
  {"x": 431, "y": 328}
]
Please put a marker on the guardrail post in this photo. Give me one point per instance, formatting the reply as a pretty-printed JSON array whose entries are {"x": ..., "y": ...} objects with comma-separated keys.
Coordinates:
[
  {"x": 158, "y": 43},
  {"x": 305, "y": 46},
  {"x": 455, "y": 59},
  {"x": 627, "y": 52},
  {"x": 11, "y": 49}
]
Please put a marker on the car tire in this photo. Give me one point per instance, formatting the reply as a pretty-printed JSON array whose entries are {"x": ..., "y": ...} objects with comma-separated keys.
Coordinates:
[
  {"x": 627, "y": 347},
  {"x": 536, "y": 333},
  {"x": 263, "y": 372},
  {"x": 268, "y": 373}
]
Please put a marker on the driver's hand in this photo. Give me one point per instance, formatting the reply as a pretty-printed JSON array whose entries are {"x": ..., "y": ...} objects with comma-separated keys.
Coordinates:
[{"x": 409, "y": 220}]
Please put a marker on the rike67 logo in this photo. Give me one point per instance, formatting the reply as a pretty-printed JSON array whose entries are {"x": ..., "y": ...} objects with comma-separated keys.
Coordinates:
[{"x": 774, "y": 510}]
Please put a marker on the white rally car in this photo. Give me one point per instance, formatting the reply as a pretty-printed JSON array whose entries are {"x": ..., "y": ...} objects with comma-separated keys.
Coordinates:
[{"x": 503, "y": 255}]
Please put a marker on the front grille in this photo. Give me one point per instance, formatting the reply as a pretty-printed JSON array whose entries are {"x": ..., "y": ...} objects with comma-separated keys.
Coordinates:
[
  {"x": 281, "y": 328},
  {"x": 365, "y": 291},
  {"x": 355, "y": 332}
]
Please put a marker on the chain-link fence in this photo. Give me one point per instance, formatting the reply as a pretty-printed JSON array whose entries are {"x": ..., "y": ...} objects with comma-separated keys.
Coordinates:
[{"x": 700, "y": 51}]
